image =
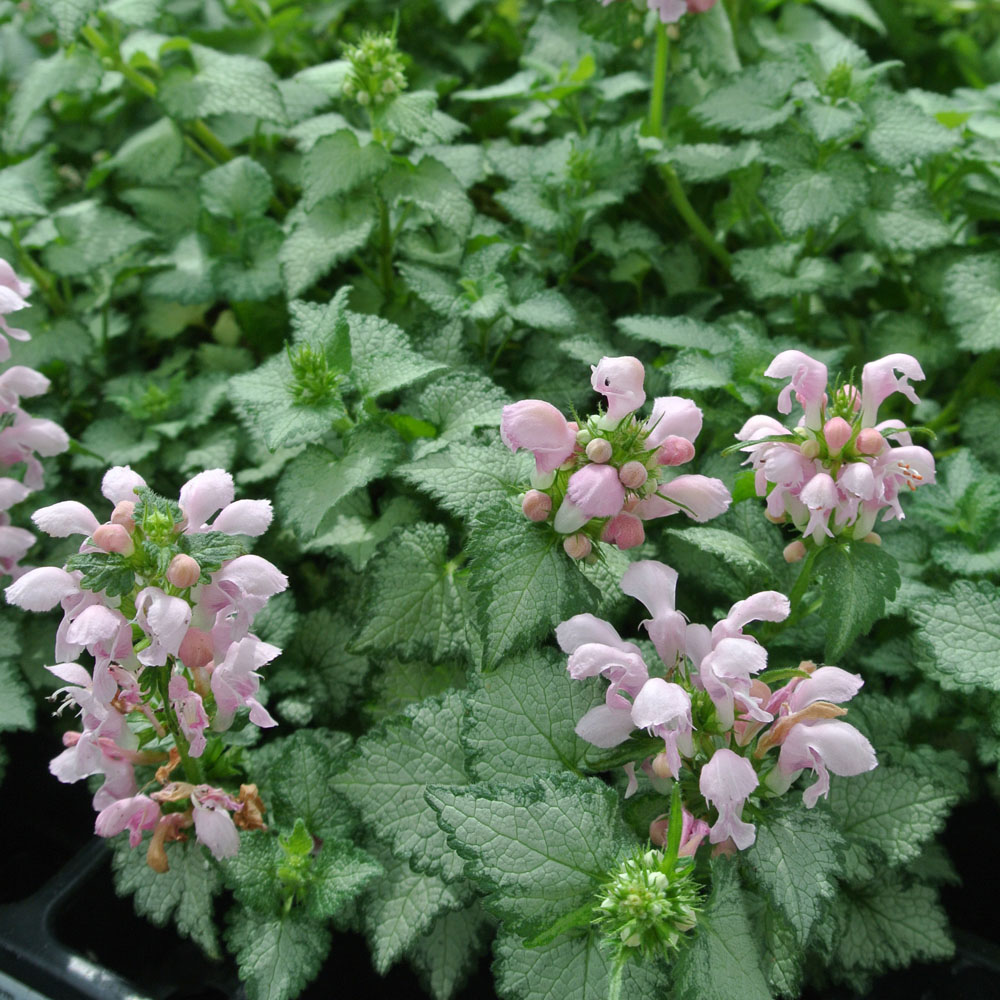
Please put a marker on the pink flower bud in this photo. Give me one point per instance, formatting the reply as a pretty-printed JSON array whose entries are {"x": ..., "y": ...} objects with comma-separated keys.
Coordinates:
[
  {"x": 837, "y": 433},
  {"x": 869, "y": 442},
  {"x": 536, "y": 505},
  {"x": 675, "y": 451},
  {"x": 183, "y": 571},
  {"x": 795, "y": 551},
  {"x": 596, "y": 491},
  {"x": 122, "y": 514},
  {"x": 873, "y": 538},
  {"x": 196, "y": 648},
  {"x": 599, "y": 450},
  {"x": 113, "y": 538},
  {"x": 700, "y": 6},
  {"x": 577, "y": 546},
  {"x": 632, "y": 475},
  {"x": 660, "y": 766},
  {"x": 809, "y": 448},
  {"x": 625, "y": 531}
]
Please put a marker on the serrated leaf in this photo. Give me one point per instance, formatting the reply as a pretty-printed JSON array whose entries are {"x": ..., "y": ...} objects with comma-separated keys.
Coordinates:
[
  {"x": 902, "y": 216},
  {"x": 339, "y": 873},
  {"x": 520, "y": 718},
  {"x": 91, "y": 236},
  {"x": 25, "y": 187},
  {"x": 183, "y": 894},
  {"x": 211, "y": 549},
  {"x": 69, "y": 15},
  {"x": 675, "y": 331},
  {"x": 446, "y": 954},
  {"x": 401, "y": 904},
  {"x": 17, "y": 707},
  {"x": 524, "y": 589},
  {"x": 319, "y": 239},
  {"x": 337, "y": 164},
  {"x": 736, "y": 552},
  {"x": 892, "y": 808},
  {"x": 460, "y": 402},
  {"x": 900, "y": 133},
  {"x": 752, "y": 101},
  {"x": 239, "y": 189},
  {"x": 537, "y": 849},
  {"x": 963, "y": 629},
  {"x": 411, "y": 603},
  {"x": 384, "y": 361},
  {"x": 803, "y": 199},
  {"x": 570, "y": 968},
  {"x": 252, "y": 872},
  {"x": 548, "y": 310},
  {"x": 415, "y": 116},
  {"x": 107, "y": 571},
  {"x": 434, "y": 188},
  {"x": 970, "y": 288},
  {"x": 780, "y": 271},
  {"x": 386, "y": 780},
  {"x": 316, "y": 480},
  {"x": 707, "y": 161},
  {"x": 858, "y": 579},
  {"x": 724, "y": 959},
  {"x": 276, "y": 955},
  {"x": 796, "y": 858}
]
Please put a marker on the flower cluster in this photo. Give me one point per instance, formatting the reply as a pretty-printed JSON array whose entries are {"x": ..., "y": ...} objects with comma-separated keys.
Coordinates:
[
  {"x": 22, "y": 437},
  {"x": 163, "y": 601},
  {"x": 377, "y": 70},
  {"x": 716, "y": 719},
  {"x": 839, "y": 467},
  {"x": 671, "y": 11},
  {"x": 603, "y": 479}
]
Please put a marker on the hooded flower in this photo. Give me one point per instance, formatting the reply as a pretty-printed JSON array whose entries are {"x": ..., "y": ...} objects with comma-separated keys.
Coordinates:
[
  {"x": 541, "y": 429},
  {"x": 824, "y": 745},
  {"x": 235, "y": 682},
  {"x": 135, "y": 814},
  {"x": 726, "y": 781},
  {"x": 619, "y": 380},
  {"x": 213, "y": 825}
]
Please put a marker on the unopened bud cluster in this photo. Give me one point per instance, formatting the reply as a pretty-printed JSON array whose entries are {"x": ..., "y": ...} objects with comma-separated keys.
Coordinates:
[
  {"x": 600, "y": 480},
  {"x": 834, "y": 472},
  {"x": 163, "y": 602},
  {"x": 649, "y": 904},
  {"x": 377, "y": 70}
]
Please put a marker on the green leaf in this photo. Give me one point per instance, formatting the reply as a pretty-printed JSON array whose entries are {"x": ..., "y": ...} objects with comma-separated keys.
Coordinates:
[
  {"x": 321, "y": 238},
  {"x": 384, "y": 361},
  {"x": 337, "y": 164},
  {"x": 151, "y": 154},
  {"x": 537, "y": 849},
  {"x": 780, "y": 271},
  {"x": 724, "y": 960},
  {"x": 548, "y": 310},
  {"x": 796, "y": 858},
  {"x": 901, "y": 134},
  {"x": 17, "y": 707},
  {"x": 520, "y": 718},
  {"x": 858, "y": 579},
  {"x": 887, "y": 925},
  {"x": 315, "y": 481},
  {"x": 91, "y": 236},
  {"x": 894, "y": 809},
  {"x": 252, "y": 873},
  {"x": 277, "y": 955},
  {"x": 339, "y": 873},
  {"x": 386, "y": 780},
  {"x": 902, "y": 216},
  {"x": 861, "y": 10},
  {"x": 411, "y": 604},
  {"x": 414, "y": 116},
  {"x": 447, "y": 953},
  {"x": 734, "y": 552},
  {"x": 570, "y": 968},
  {"x": 675, "y": 331},
  {"x": 752, "y": 101},
  {"x": 433, "y": 187},
  {"x": 803, "y": 198},
  {"x": 184, "y": 893},
  {"x": 970, "y": 288},
  {"x": 524, "y": 589},
  {"x": 25, "y": 187},
  {"x": 469, "y": 479},
  {"x": 211, "y": 549},
  {"x": 300, "y": 775},
  {"x": 707, "y": 161},
  {"x": 402, "y": 904},
  {"x": 962, "y": 627},
  {"x": 460, "y": 402},
  {"x": 69, "y": 15},
  {"x": 239, "y": 189},
  {"x": 107, "y": 571}
]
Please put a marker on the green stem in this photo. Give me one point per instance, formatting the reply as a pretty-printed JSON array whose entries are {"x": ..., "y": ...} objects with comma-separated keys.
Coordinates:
[
  {"x": 192, "y": 767},
  {"x": 801, "y": 585},
  {"x": 661, "y": 61},
  {"x": 212, "y": 142},
  {"x": 386, "y": 257},
  {"x": 40, "y": 276},
  {"x": 615, "y": 979},
  {"x": 686, "y": 211}
]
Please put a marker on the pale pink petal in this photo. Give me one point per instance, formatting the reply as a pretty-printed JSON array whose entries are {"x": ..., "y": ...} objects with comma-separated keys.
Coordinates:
[
  {"x": 541, "y": 429},
  {"x": 825, "y": 684},
  {"x": 14, "y": 542},
  {"x": 21, "y": 381},
  {"x": 673, "y": 416},
  {"x": 592, "y": 659},
  {"x": 9, "y": 279},
  {"x": 215, "y": 829},
  {"x": 584, "y": 628},
  {"x": 259, "y": 715},
  {"x": 625, "y": 531},
  {"x": 700, "y": 497},
  {"x": 119, "y": 484},
  {"x": 858, "y": 478},
  {"x": 725, "y": 782},
  {"x": 605, "y": 727},
  {"x": 619, "y": 380},
  {"x": 68, "y": 517},
  {"x": 204, "y": 494},
  {"x": 765, "y": 606},
  {"x": 11, "y": 492},
  {"x": 652, "y": 582},
  {"x": 41, "y": 589},
  {"x": 661, "y": 703},
  {"x": 244, "y": 517},
  {"x": 761, "y": 425},
  {"x": 808, "y": 381},
  {"x": 820, "y": 493},
  {"x": 825, "y": 744},
  {"x": 72, "y": 673},
  {"x": 669, "y": 11},
  {"x": 879, "y": 380},
  {"x": 253, "y": 575},
  {"x": 596, "y": 490},
  {"x": 45, "y": 437}
]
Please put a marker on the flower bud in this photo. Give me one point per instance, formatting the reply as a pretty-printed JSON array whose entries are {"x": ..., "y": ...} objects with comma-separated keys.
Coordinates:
[
  {"x": 809, "y": 448},
  {"x": 873, "y": 538},
  {"x": 675, "y": 451},
  {"x": 661, "y": 766},
  {"x": 196, "y": 648},
  {"x": 599, "y": 450},
  {"x": 183, "y": 571},
  {"x": 583, "y": 437},
  {"x": 794, "y": 551},
  {"x": 837, "y": 433},
  {"x": 577, "y": 546},
  {"x": 625, "y": 530},
  {"x": 632, "y": 475},
  {"x": 536, "y": 505},
  {"x": 113, "y": 538},
  {"x": 122, "y": 514},
  {"x": 869, "y": 441}
]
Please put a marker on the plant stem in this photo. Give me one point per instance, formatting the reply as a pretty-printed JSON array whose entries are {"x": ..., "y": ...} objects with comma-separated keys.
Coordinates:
[
  {"x": 41, "y": 277},
  {"x": 386, "y": 257},
  {"x": 661, "y": 60},
  {"x": 801, "y": 585}
]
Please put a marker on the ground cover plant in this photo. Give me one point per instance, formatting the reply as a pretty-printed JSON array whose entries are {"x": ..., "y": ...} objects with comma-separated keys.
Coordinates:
[{"x": 462, "y": 333}]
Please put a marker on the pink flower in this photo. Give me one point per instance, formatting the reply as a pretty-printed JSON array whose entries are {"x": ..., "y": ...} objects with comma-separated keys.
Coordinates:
[
  {"x": 665, "y": 710},
  {"x": 879, "y": 380},
  {"x": 213, "y": 826},
  {"x": 619, "y": 380},
  {"x": 235, "y": 682},
  {"x": 700, "y": 497},
  {"x": 595, "y": 491},
  {"x": 824, "y": 745},
  {"x": 165, "y": 621},
  {"x": 135, "y": 814},
  {"x": 673, "y": 416},
  {"x": 725, "y": 674},
  {"x": 655, "y": 583},
  {"x": 541, "y": 429},
  {"x": 726, "y": 781},
  {"x": 212, "y": 491},
  {"x": 625, "y": 531},
  {"x": 808, "y": 381},
  {"x": 595, "y": 648},
  {"x": 190, "y": 713}
]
